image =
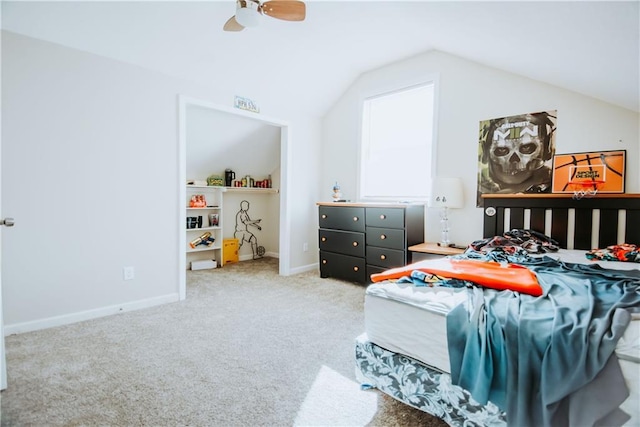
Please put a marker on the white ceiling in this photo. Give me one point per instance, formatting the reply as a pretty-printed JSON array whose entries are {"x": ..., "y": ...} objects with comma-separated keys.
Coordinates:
[{"x": 588, "y": 47}]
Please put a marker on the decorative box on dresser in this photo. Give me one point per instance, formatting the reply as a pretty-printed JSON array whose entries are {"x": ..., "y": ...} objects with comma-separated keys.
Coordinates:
[{"x": 359, "y": 239}]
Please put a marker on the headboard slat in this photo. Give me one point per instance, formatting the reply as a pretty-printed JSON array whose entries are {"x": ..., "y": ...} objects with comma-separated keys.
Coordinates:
[
  {"x": 583, "y": 225},
  {"x": 500, "y": 222},
  {"x": 490, "y": 225},
  {"x": 632, "y": 234},
  {"x": 559, "y": 224},
  {"x": 608, "y": 227},
  {"x": 516, "y": 219},
  {"x": 538, "y": 218}
]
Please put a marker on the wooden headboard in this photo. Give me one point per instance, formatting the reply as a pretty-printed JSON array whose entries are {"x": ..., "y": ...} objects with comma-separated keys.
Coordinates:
[{"x": 591, "y": 222}]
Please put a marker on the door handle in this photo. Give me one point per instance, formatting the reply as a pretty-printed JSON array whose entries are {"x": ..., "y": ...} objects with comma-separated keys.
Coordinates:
[{"x": 7, "y": 222}]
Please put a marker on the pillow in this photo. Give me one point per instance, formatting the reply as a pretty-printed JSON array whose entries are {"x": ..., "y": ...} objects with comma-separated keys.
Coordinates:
[
  {"x": 489, "y": 274},
  {"x": 624, "y": 252}
]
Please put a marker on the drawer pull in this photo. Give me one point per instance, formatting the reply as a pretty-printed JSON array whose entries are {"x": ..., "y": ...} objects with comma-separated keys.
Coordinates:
[
  {"x": 324, "y": 239},
  {"x": 355, "y": 219},
  {"x": 355, "y": 268},
  {"x": 355, "y": 244},
  {"x": 383, "y": 256},
  {"x": 324, "y": 216},
  {"x": 382, "y": 237},
  {"x": 383, "y": 216},
  {"x": 324, "y": 261}
]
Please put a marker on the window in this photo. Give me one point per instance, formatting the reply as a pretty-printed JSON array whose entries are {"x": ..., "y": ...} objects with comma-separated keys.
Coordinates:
[{"x": 397, "y": 144}]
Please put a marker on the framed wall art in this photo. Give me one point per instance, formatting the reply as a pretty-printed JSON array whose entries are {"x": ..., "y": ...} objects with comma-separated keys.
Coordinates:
[
  {"x": 515, "y": 154},
  {"x": 601, "y": 171}
]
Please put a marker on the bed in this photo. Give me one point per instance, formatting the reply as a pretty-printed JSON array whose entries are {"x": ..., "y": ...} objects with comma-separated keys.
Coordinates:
[{"x": 405, "y": 352}]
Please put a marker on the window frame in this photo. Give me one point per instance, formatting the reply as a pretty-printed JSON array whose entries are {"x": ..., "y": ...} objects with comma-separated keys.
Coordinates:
[{"x": 388, "y": 89}]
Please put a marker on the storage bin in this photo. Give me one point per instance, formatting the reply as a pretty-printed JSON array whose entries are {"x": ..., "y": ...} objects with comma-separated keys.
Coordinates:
[
  {"x": 204, "y": 264},
  {"x": 229, "y": 250}
]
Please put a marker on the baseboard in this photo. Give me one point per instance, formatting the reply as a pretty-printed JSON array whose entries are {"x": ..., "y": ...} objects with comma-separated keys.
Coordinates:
[
  {"x": 266, "y": 255},
  {"x": 304, "y": 268},
  {"x": 297, "y": 270},
  {"x": 67, "y": 319}
]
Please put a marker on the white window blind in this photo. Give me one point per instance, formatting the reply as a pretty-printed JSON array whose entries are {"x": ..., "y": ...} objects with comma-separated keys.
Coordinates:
[{"x": 397, "y": 144}]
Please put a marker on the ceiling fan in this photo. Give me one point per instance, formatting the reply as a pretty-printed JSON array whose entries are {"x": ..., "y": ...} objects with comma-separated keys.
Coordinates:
[{"x": 248, "y": 12}]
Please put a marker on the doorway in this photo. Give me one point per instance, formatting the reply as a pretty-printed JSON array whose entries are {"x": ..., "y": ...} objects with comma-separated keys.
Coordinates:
[{"x": 284, "y": 231}]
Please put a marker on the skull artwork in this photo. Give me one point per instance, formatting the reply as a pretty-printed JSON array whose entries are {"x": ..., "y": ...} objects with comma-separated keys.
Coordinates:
[{"x": 516, "y": 150}]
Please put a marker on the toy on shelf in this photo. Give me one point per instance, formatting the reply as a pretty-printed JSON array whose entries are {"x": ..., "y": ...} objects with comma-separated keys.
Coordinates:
[
  {"x": 204, "y": 239},
  {"x": 198, "y": 201}
]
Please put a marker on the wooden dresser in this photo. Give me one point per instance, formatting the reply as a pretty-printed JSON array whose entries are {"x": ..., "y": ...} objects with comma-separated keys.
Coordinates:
[{"x": 359, "y": 239}]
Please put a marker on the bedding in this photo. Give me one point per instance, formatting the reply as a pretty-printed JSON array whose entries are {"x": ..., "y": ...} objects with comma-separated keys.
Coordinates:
[
  {"x": 625, "y": 252},
  {"x": 575, "y": 256},
  {"x": 559, "y": 350},
  {"x": 421, "y": 386},
  {"x": 483, "y": 341},
  {"x": 530, "y": 241},
  {"x": 486, "y": 273}
]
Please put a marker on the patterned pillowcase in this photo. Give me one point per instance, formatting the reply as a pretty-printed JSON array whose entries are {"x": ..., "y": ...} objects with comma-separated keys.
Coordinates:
[
  {"x": 624, "y": 252},
  {"x": 515, "y": 240}
]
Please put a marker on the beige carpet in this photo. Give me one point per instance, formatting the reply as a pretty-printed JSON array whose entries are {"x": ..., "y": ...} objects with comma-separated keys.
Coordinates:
[{"x": 246, "y": 348}]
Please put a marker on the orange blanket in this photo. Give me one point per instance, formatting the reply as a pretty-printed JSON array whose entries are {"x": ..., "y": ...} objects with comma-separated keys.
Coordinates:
[{"x": 485, "y": 273}]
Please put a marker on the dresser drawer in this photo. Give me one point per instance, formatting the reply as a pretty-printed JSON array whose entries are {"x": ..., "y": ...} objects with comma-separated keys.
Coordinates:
[
  {"x": 343, "y": 267},
  {"x": 386, "y": 237},
  {"x": 385, "y": 257},
  {"x": 385, "y": 217},
  {"x": 342, "y": 242},
  {"x": 342, "y": 218},
  {"x": 373, "y": 269}
]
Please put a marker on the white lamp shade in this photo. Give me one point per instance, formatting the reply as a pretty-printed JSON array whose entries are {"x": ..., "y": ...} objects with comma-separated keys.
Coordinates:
[{"x": 446, "y": 192}]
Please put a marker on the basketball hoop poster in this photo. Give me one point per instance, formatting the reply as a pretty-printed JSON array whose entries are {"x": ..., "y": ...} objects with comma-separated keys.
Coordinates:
[{"x": 601, "y": 171}]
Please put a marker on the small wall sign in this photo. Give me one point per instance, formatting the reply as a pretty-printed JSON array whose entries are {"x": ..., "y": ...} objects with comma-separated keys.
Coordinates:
[{"x": 246, "y": 104}]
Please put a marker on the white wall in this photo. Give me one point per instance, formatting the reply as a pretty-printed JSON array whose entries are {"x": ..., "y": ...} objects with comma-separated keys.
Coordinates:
[
  {"x": 262, "y": 206},
  {"x": 468, "y": 93},
  {"x": 217, "y": 140},
  {"x": 90, "y": 173}
]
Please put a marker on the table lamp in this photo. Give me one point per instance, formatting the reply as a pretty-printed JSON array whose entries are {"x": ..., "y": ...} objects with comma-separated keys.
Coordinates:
[{"x": 446, "y": 193}]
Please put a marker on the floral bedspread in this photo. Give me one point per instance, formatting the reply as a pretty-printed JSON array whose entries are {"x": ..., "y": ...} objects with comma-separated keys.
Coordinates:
[{"x": 422, "y": 387}]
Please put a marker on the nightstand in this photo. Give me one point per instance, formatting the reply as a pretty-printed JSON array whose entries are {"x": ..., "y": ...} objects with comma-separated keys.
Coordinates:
[{"x": 427, "y": 250}]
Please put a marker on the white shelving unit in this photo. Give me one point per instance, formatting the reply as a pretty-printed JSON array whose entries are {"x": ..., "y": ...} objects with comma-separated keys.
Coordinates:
[
  {"x": 250, "y": 190},
  {"x": 215, "y": 199},
  {"x": 213, "y": 196}
]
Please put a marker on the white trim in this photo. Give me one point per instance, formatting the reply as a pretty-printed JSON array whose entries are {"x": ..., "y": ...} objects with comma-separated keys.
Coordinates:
[
  {"x": 249, "y": 257},
  {"x": 3, "y": 358},
  {"x": 182, "y": 194},
  {"x": 305, "y": 268},
  {"x": 285, "y": 205},
  {"x": 80, "y": 316},
  {"x": 285, "y": 161}
]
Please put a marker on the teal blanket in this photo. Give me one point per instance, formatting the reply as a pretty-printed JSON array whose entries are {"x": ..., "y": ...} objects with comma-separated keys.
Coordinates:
[{"x": 547, "y": 360}]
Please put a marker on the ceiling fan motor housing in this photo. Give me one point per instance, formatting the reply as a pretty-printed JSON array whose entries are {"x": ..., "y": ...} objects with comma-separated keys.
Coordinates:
[{"x": 248, "y": 13}]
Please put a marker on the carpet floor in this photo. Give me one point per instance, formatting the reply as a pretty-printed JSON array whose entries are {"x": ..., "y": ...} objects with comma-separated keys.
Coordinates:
[{"x": 246, "y": 348}]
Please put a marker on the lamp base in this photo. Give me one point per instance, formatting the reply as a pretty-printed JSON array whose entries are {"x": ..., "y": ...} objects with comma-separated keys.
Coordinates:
[{"x": 444, "y": 222}]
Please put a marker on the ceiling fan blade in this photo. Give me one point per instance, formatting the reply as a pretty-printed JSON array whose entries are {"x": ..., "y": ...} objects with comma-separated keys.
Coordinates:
[
  {"x": 232, "y": 25},
  {"x": 288, "y": 10}
]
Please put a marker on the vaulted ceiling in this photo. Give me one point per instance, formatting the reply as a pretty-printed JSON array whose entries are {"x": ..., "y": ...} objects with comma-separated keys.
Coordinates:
[{"x": 588, "y": 47}]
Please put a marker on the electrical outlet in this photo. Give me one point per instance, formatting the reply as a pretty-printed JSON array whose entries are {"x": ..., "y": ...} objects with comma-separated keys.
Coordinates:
[
  {"x": 128, "y": 273},
  {"x": 305, "y": 247}
]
